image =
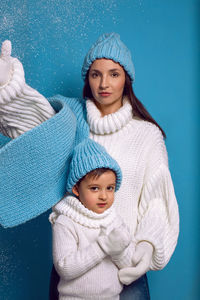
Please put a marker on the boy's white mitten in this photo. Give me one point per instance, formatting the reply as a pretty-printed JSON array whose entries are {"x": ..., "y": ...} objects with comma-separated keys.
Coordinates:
[
  {"x": 141, "y": 261},
  {"x": 21, "y": 107},
  {"x": 116, "y": 241}
]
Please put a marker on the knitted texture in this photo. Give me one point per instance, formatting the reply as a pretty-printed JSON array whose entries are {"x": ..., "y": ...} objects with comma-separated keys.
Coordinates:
[
  {"x": 109, "y": 46},
  {"x": 34, "y": 166},
  {"x": 5, "y": 65},
  {"x": 78, "y": 107},
  {"x": 146, "y": 198},
  {"x": 85, "y": 270},
  {"x": 71, "y": 207},
  {"x": 21, "y": 107},
  {"x": 88, "y": 156}
]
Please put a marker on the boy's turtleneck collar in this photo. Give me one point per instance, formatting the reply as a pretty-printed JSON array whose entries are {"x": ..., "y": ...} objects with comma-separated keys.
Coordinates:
[
  {"x": 71, "y": 207},
  {"x": 111, "y": 122}
]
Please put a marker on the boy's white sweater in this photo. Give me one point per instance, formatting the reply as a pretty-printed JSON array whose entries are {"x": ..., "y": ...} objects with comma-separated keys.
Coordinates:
[
  {"x": 146, "y": 199},
  {"x": 85, "y": 270}
]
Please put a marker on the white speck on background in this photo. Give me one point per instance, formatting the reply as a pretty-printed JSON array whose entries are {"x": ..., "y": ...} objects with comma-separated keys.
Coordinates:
[{"x": 38, "y": 21}]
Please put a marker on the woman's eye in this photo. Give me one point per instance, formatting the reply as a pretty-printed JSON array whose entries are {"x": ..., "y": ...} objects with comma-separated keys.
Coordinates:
[
  {"x": 115, "y": 74},
  {"x": 94, "y": 75}
]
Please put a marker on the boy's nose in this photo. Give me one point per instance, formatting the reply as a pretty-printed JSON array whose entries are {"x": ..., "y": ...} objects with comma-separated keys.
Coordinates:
[{"x": 102, "y": 195}]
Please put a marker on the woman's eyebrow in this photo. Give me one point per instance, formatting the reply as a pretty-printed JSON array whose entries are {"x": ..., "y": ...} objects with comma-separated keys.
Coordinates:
[
  {"x": 95, "y": 70},
  {"x": 111, "y": 70}
]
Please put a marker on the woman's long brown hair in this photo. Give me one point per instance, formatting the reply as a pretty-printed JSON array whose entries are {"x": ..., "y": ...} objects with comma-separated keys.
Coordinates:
[{"x": 138, "y": 108}]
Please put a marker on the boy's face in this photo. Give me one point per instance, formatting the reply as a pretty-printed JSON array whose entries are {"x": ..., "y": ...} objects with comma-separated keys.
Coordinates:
[{"x": 97, "y": 194}]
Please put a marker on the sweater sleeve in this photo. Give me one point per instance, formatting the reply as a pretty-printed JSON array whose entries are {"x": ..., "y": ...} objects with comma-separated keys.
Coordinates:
[
  {"x": 69, "y": 259},
  {"x": 21, "y": 107},
  {"x": 158, "y": 217}
]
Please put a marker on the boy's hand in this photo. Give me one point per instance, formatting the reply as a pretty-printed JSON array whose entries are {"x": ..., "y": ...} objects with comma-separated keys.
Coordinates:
[
  {"x": 116, "y": 241},
  {"x": 141, "y": 262}
]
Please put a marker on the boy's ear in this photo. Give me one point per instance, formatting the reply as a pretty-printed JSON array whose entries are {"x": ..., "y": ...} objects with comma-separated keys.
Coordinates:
[{"x": 75, "y": 190}]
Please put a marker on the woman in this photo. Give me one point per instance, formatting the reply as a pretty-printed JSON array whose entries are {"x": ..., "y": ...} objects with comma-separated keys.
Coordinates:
[{"x": 113, "y": 117}]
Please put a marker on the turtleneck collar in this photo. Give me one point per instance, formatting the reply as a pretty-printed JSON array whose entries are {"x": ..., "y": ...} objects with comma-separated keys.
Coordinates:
[
  {"x": 111, "y": 122},
  {"x": 71, "y": 207}
]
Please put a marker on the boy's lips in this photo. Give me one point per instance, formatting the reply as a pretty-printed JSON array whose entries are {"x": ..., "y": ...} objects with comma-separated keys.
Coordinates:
[{"x": 101, "y": 204}]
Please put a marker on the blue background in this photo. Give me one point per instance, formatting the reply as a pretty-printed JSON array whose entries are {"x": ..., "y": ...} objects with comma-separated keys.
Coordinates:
[{"x": 51, "y": 39}]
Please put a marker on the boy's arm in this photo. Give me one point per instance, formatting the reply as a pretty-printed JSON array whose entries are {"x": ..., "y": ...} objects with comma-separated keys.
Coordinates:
[
  {"x": 69, "y": 260},
  {"x": 125, "y": 258},
  {"x": 117, "y": 244}
]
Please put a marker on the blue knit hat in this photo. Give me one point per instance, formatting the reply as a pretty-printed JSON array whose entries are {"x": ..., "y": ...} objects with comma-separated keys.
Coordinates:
[
  {"x": 88, "y": 156},
  {"x": 109, "y": 46}
]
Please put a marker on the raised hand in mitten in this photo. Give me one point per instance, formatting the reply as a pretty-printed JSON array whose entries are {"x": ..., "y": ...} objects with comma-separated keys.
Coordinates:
[
  {"x": 5, "y": 63},
  {"x": 116, "y": 241},
  {"x": 21, "y": 107},
  {"x": 141, "y": 263}
]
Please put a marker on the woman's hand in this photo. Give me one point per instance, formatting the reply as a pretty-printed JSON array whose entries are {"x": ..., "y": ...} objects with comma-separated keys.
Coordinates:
[
  {"x": 116, "y": 241},
  {"x": 21, "y": 107},
  {"x": 141, "y": 260},
  {"x": 5, "y": 63}
]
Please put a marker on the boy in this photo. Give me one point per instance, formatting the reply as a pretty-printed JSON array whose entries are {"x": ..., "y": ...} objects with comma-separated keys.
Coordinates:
[{"x": 90, "y": 242}]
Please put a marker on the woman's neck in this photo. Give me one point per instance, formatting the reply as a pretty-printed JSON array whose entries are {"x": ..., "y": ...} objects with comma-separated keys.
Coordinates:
[{"x": 109, "y": 108}]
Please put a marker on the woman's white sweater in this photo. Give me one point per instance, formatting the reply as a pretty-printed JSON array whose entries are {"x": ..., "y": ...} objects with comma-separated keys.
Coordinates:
[{"x": 146, "y": 199}]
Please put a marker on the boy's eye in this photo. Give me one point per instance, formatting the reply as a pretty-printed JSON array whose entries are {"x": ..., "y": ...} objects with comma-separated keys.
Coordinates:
[
  {"x": 110, "y": 188},
  {"x": 94, "y": 188}
]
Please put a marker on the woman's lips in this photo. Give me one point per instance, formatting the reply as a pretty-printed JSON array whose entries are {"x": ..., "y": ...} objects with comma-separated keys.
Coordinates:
[{"x": 104, "y": 94}]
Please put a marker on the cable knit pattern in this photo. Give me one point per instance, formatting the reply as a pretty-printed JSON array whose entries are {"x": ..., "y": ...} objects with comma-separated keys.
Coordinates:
[
  {"x": 146, "y": 199},
  {"x": 85, "y": 270},
  {"x": 14, "y": 84},
  {"x": 21, "y": 107}
]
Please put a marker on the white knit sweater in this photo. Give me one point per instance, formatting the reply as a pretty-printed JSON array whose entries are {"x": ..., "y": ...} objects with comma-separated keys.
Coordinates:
[
  {"x": 85, "y": 270},
  {"x": 146, "y": 199}
]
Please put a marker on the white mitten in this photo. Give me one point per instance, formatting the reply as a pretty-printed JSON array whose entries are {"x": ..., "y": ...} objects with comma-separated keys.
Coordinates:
[
  {"x": 116, "y": 241},
  {"x": 21, "y": 107},
  {"x": 141, "y": 261},
  {"x": 5, "y": 63}
]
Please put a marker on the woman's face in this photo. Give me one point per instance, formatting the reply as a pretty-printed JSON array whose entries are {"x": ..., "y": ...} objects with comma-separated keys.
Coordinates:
[{"x": 107, "y": 79}]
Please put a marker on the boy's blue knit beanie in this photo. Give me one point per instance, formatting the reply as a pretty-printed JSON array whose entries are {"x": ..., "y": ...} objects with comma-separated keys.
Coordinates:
[
  {"x": 88, "y": 156},
  {"x": 109, "y": 46}
]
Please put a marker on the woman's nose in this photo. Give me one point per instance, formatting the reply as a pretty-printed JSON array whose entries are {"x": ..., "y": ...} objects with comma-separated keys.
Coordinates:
[{"x": 104, "y": 82}]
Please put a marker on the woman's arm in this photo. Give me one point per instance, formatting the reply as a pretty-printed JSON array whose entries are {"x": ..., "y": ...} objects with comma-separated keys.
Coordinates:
[
  {"x": 70, "y": 260},
  {"x": 158, "y": 217},
  {"x": 33, "y": 165},
  {"x": 21, "y": 107}
]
